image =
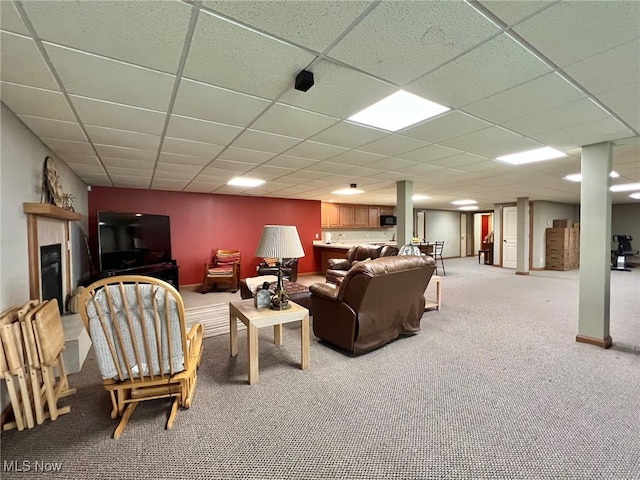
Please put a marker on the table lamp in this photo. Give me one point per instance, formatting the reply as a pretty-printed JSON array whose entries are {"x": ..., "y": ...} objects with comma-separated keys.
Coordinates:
[{"x": 280, "y": 241}]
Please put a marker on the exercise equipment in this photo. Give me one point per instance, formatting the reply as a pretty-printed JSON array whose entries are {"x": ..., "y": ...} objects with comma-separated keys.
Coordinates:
[{"x": 619, "y": 257}]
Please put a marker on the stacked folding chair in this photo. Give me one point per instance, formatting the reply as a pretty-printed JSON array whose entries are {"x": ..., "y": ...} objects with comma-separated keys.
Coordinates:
[{"x": 32, "y": 341}]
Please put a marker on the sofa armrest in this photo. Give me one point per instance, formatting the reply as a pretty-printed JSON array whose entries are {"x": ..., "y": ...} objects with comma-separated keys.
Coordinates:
[
  {"x": 325, "y": 290},
  {"x": 338, "y": 264}
]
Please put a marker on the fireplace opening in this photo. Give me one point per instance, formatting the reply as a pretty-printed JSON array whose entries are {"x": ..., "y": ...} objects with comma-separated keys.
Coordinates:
[{"x": 51, "y": 273}]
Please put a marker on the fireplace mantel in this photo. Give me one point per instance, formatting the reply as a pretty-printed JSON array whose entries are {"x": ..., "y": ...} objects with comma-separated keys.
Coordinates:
[{"x": 48, "y": 211}]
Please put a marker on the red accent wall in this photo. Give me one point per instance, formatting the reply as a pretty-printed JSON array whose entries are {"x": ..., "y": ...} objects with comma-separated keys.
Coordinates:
[
  {"x": 201, "y": 222},
  {"x": 485, "y": 227}
]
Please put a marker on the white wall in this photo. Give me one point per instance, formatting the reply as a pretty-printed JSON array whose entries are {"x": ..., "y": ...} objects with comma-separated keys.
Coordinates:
[
  {"x": 22, "y": 157},
  {"x": 543, "y": 215},
  {"x": 444, "y": 225}
]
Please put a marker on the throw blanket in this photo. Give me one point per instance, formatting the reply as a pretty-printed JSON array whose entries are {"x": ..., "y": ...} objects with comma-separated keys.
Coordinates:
[{"x": 254, "y": 282}]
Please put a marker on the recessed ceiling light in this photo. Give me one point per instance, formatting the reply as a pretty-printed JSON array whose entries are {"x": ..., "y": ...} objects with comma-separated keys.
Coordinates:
[
  {"x": 469, "y": 207},
  {"x": 577, "y": 177},
  {"x": 464, "y": 202},
  {"x": 635, "y": 195},
  {"x": 352, "y": 190},
  {"x": 397, "y": 111},
  {"x": 530, "y": 156},
  {"x": 245, "y": 182},
  {"x": 625, "y": 187},
  {"x": 420, "y": 197}
]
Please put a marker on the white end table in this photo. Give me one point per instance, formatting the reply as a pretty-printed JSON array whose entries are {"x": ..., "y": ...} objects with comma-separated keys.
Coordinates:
[{"x": 255, "y": 318}]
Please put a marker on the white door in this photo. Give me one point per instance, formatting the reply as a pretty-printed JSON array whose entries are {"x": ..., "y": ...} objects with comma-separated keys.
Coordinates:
[
  {"x": 510, "y": 237},
  {"x": 463, "y": 234}
]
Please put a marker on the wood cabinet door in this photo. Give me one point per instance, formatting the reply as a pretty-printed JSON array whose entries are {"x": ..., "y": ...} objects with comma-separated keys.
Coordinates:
[
  {"x": 374, "y": 217},
  {"x": 361, "y": 217},
  {"x": 386, "y": 210},
  {"x": 346, "y": 216},
  {"x": 333, "y": 215},
  {"x": 324, "y": 220}
]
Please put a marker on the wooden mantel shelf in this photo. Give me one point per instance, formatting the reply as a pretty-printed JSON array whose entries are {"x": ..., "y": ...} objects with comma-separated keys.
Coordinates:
[{"x": 51, "y": 211}]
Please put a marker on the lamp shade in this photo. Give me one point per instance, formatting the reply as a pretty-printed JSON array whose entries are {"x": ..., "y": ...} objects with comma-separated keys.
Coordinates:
[{"x": 280, "y": 241}]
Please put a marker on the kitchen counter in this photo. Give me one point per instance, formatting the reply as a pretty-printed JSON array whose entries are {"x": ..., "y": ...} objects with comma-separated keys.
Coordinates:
[{"x": 347, "y": 246}]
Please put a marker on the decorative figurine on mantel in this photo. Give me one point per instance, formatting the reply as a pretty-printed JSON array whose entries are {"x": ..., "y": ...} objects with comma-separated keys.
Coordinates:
[{"x": 51, "y": 188}]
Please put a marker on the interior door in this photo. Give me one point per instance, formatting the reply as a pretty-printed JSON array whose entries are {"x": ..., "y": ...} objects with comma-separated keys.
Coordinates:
[
  {"x": 463, "y": 234},
  {"x": 510, "y": 237}
]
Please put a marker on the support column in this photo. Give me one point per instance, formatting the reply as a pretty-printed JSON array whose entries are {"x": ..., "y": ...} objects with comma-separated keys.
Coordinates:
[
  {"x": 522, "y": 262},
  {"x": 595, "y": 246},
  {"x": 404, "y": 206}
]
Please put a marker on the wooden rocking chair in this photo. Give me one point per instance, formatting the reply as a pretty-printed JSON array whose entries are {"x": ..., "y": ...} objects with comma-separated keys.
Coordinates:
[
  {"x": 137, "y": 325},
  {"x": 225, "y": 269}
]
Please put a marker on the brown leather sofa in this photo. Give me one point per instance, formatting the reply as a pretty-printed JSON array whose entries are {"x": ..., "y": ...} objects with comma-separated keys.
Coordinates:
[
  {"x": 377, "y": 302},
  {"x": 338, "y": 267}
]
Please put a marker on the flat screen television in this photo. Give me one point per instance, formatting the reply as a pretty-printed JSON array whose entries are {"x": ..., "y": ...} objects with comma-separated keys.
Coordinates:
[{"x": 132, "y": 240}]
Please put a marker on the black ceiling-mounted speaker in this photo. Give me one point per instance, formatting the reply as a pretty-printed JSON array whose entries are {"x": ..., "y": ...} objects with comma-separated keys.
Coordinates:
[{"x": 304, "y": 80}]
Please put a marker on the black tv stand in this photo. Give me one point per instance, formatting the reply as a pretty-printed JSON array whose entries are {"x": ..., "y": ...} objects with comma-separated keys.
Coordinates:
[{"x": 167, "y": 271}]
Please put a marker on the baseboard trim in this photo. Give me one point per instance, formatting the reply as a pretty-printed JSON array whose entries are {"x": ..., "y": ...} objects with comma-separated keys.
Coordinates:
[
  {"x": 605, "y": 342},
  {"x": 537, "y": 269},
  {"x": 522, "y": 273}
]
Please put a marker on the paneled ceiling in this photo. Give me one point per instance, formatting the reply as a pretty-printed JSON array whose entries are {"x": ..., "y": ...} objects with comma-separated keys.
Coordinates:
[{"x": 185, "y": 95}]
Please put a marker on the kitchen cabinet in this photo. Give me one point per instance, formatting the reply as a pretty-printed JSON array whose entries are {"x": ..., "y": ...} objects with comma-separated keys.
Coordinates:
[
  {"x": 344, "y": 215},
  {"x": 330, "y": 215},
  {"x": 374, "y": 217},
  {"x": 347, "y": 216},
  {"x": 361, "y": 216}
]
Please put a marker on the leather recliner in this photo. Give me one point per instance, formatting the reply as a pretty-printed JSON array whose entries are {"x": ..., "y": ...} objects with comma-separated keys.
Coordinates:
[
  {"x": 377, "y": 302},
  {"x": 338, "y": 267}
]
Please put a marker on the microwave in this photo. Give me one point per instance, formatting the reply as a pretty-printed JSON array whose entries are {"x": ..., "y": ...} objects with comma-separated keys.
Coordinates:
[{"x": 388, "y": 220}]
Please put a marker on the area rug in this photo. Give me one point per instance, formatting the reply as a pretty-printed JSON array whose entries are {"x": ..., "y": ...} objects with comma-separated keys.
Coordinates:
[{"x": 214, "y": 318}]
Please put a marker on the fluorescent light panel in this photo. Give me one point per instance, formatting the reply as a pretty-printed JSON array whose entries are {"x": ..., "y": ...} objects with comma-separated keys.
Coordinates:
[
  {"x": 635, "y": 195},
  {"x": 468, "y": 207},
  {"x": 347, "y": 191},
  {"x": 625, "y": 187},
  {"x": 420, "y": 197},
  {"x": 531, "y": 156},
  {"x": 577, "y": 177},
  {"x": 397, "y": 111},
  {"x": 245, "y": 182},
  {"x": 463, "y": 202}
]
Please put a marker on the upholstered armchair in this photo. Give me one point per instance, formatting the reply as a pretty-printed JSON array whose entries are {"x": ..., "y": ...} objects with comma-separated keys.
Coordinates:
[
  {"x": 224, "y": 269},
  {"x": 268, "y": 266},
  {"x": 337, "y": 268},
  {"x": 377, "y": 302}
]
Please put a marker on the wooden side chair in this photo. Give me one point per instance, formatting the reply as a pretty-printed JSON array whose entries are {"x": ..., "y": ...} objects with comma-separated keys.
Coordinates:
[
  {"x": 224, "y": 269},
  {"x": 144, "y": 352}
]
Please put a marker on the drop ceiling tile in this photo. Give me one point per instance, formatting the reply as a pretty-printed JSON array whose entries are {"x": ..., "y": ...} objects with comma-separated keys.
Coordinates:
[
  {"x": 125, "y": 153},
  {"x": 113, "y": 28},
  {"x": 357, "y": 173},
  {"x": 349, "y": 135},
  {"x": 516, "y": 144},
  {"x": 113, "y": 115},
  {"x": 83, "y": 170},
  {"x": 92, "y": 76},
  {"x": 556, "y": 118},
  {"x": 389, "y": 163},
  {"x": 393, "y": 176},
  {"x": 297, "y": 22},
  {"x": 173, "y": 175},
  {"x": 119, "y": 172},
  {"x": 200, "y": 187},
  {"x": 227, "y": 55},
  {"x": 608, "y": 70},
  {"x": 64, "y": 147},
  {"x": 245, "y": 155},
  {"x": 449, "y": 125},
  {"x": 326, "y": 167},
  {"x": 86, "y": 160},
  {"x": 230, "y": 166},
  {"x": 492, "y": 67},
  {"x": 120, "y": 162},
  {"x": 46, "y": 127},
  {"x": 356, "y": 157},
  {"x": 512, "y": 13},
  {"x": 36, "y": 102},
  {"x": 419, "y": 169},
  {"x": 206, "y": 102},
  {"x": 393, "y": 145},
  {"x": 587, "y": 133},
  {"x": 431, "y": 152},
  {"x": 22, "y": 62},
  {"x": 265, "y": 142},
  {"x": 623, "y": 99},
  {"x": 307, "y": 175},
  {"x": 338, "y": 91},
  {"x": 10, "y": 20},
  {"x": 536, "y": 95},
  {"x": 201, "y": 130},
  {"x": 123, "y": 138},
  {"x": 457, "y": 160},
  {"x": 129, "y": 181},
  {"x": 413, "y": 38},
  {"x": 181, "y": 168},
  {"x": 97, "y": 180},
  {"x": 570, "y": 31},
  {"x": 268, "y": 173},
  {"x": 183, "y": 160},
  {"x": 315, "y": 150},
  {"x": 291, "y": 121},
  {"x": 179, "y": 146},
  {"x": 290, "y": 162},
  {"x": 480, "y": 138}
]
